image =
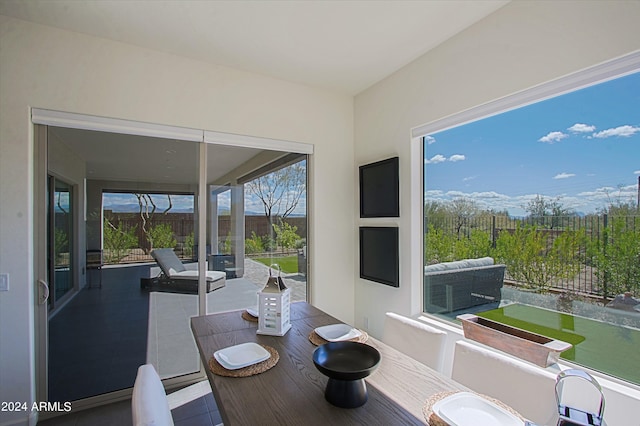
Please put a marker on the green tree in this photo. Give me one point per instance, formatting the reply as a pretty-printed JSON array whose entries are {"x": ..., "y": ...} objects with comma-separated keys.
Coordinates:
[
  {"x": 189, "y": 242},
  {"x": 118, "y": 241},
  {"x": 286, "y": 236},
  {"x": 438, "y": 245},
  {"x": 435, "y": 214},
  {"x": 147, "y": 209},
  {"x": 161, "y": 236},
  {"x": 61, "y": 244},
  {"x": 540, "y": 209},
  {"x": 254, "y": 244},
  {"x": 462, "y": 210}
]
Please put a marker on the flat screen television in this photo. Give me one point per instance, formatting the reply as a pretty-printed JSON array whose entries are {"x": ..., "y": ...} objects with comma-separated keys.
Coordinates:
[
  {"x": 380, "y": 189},
  {"x": 379, "y": 257}
]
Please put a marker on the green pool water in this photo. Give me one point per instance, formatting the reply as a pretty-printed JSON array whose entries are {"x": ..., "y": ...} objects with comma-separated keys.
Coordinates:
[{"x": 605, "y": 347}]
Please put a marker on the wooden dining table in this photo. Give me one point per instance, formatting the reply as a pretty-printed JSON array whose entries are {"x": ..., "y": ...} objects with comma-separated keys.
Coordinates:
[{"x": 292, "y": 392}]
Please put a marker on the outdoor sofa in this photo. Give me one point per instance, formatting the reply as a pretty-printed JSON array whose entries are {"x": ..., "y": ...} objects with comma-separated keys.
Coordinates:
[{"x": 451, "y": 286}]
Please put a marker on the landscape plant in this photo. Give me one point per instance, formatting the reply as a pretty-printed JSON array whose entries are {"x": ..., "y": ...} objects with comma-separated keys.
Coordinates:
[
  {"x": 61, "y": 245},
  {"x": 161, "y": 236},
  {"x": 286, "y": 236},
  {"x": 254, "y": 244},
  {"x": 442, "y": 246},
  {"x": 118, "y": 241},
  {"x": 537, "y": 259},
  {"x": 616, "y": 257},
  {"x": 189, "y": 242}
]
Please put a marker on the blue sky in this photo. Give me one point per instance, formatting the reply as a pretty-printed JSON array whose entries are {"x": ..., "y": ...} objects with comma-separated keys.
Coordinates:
[{"x": 583, "y": 147}]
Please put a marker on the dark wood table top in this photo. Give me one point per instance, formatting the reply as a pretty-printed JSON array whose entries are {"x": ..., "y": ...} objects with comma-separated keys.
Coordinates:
[{"x": 292, "y": 392}]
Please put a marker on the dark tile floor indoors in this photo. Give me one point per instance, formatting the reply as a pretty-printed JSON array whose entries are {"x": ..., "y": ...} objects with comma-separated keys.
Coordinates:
[
  {"x": 199, "y": 412},
  {"x": 96, "y": 344},
  {"x": 99, "y": 339}
]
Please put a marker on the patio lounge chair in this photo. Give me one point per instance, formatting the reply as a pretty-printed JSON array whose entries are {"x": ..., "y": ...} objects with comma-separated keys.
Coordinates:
[{"x": 175, "y": 277}]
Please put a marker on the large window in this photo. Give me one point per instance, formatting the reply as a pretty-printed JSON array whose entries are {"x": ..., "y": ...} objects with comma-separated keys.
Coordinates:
[{"x": 539, "y": 207}]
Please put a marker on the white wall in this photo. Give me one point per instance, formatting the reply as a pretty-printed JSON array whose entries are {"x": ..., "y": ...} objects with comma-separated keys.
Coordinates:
[
  {"x": 60, "y": 70},
  {"x": 521, "y": 45}
]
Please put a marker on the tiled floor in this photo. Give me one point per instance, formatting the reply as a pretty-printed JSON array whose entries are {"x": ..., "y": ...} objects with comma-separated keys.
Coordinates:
[
  {"x": 98, "y": 340},
  {"x": 199, "y": 412}
]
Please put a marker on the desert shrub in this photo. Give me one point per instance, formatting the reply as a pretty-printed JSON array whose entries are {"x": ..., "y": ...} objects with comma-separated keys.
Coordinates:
[{"x": 537, "y": 260}]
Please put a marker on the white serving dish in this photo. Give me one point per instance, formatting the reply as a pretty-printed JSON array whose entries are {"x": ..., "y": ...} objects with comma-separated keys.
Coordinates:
[
  {"x": 253, "y": 312},
  {"x": 337, "y": 332},
  {"x": 242, "y": 355},
  {"x": 468, "y": 409}
]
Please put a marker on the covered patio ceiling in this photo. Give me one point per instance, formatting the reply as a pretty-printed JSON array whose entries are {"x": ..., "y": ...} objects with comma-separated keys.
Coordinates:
[{"x": 132, "y": 158}]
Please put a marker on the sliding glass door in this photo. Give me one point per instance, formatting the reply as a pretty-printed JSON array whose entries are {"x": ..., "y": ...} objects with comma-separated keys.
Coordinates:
[{"x": 113, "y": 201}]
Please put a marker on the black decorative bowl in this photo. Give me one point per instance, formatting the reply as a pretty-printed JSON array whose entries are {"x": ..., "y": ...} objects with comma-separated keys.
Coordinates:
[{"x": 346, "y": 364}]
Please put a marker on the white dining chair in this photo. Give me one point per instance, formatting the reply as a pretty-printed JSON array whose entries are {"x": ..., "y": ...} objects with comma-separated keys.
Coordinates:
[
  {"x": 149, "y": 404},
  {"x": 528, "y": 389},
  {"x": 415, "y": 339}
]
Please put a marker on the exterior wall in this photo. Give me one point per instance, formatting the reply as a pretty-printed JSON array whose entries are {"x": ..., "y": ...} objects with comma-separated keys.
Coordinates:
[
  {"x": 523, "y": 44},
  {"x": 54, "y": 69}
]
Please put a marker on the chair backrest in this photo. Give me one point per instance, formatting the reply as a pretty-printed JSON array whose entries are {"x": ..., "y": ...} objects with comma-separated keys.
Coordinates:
[
  {"x": 528, "y": 389},
  {"x": 168, "y": 261},
  {"x": 420, "y": 341},
  {"x": 149, "y": 405}
]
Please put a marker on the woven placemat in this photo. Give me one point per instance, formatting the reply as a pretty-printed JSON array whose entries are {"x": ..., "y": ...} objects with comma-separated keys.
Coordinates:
[
  {"x": 248, "y": 317},
  {"x": 317, "y": 340},
  {"x": 251, "y": 370},
  {"x": 434, "y": 420}
]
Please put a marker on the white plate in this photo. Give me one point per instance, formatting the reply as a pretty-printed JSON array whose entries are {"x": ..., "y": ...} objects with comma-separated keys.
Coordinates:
[
  {"x": 468, "y": 409},
  {"x": 253, "y": 312},
  {"x": 242, "y": 355},
  {"x": 337, "y": 332}
]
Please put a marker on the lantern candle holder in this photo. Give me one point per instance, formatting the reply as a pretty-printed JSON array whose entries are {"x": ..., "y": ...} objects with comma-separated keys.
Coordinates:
[{"x": 274, "y": 306}]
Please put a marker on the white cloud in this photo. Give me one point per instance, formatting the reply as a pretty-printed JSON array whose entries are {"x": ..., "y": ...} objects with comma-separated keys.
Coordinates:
[
  {"x": 624, "y": 131},
  {"x": 553, "y": 137},
  {"x": 467, "y": 179},
  {"x": 438, "y": 158},
  {"x": 563, "y": 175},
  {"x": 637, "y": 172},
  {"x": 581, "y": 128},
  {"x": 430, "y": 139}
]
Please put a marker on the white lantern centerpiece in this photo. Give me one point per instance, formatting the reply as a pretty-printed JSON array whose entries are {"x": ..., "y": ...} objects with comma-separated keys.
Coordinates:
[{"x": 274, "y": 306}]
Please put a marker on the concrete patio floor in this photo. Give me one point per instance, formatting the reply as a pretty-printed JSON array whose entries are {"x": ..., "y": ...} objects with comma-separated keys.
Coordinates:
[{"x": 170, "y": 344}]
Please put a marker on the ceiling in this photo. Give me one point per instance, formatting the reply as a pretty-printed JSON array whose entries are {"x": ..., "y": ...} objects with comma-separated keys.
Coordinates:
[{"x": 345, "y": 46}]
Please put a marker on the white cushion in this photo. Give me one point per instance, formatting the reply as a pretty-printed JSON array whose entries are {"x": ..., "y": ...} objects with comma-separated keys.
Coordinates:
[
  {"x": 528, "y": 389},
  {"x": 193, "y": 275},
  {"x": 418, "y": 340},
  {"x": 460, "y": 264},
  {"x": 149, "y": 405}
]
